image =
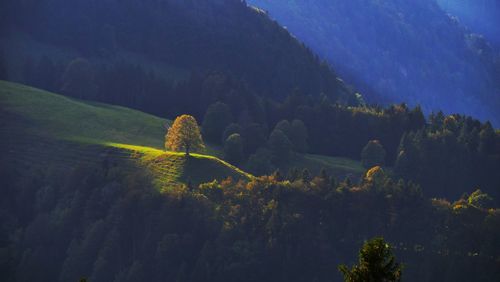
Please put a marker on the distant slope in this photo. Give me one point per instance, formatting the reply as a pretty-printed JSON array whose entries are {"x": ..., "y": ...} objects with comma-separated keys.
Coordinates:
[
  {"x": 399, "y": 51},
  {"x": 48, "y": 131},
  {"x": 481, "y": 16}
]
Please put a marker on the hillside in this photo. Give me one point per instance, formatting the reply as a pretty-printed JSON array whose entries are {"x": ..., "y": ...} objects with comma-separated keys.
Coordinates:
[
  {"x": 87, "y": 185},
  {"x": 480, "y": 16},
  {"x": 46, "y": 129},
  {"x": 399, "y": 51},
  {"x": 49, "y": 131},
  {"x": 139, "y": 51}
]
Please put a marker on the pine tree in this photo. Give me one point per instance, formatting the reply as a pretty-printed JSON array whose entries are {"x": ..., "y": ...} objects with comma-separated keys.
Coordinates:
[{"x": 376, "y": 263}]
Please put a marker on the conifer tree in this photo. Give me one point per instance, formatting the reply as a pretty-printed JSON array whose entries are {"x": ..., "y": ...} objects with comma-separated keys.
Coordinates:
[{"x": 376, "y": 263}]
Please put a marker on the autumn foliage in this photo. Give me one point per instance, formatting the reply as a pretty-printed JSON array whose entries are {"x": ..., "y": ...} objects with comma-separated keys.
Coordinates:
[{"x": 184, "y": 135}]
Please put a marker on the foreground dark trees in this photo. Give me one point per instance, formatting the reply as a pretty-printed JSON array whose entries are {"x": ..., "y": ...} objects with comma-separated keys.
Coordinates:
[
  {"x": 376, "y": 264},
  {"x": 117, "y": 227}
]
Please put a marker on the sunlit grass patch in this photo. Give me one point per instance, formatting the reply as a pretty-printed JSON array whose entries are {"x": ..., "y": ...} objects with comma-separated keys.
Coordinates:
[
  {"x": 61, "y": 131},
  {"x": 175, "y": 167}
]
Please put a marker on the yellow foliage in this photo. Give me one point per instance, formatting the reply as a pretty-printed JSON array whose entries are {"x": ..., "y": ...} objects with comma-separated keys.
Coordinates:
[
  {"x": 184, "y": 135},
  {"x": 459, "y": 207},
  {"x": 375, "y": 173}
]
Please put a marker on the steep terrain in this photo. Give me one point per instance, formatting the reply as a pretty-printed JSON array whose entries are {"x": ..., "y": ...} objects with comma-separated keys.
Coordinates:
[
  {"x": 399, "y": 51},
  {"x": 481, "y": 16},
  {"x": 139, "y": 49}
]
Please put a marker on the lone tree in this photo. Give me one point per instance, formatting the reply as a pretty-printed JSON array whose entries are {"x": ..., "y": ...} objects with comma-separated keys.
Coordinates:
[
  {"x": 373, "y": 154},
  {"x": 376, "y": 264},
  {"x": 184, "y": 135}
]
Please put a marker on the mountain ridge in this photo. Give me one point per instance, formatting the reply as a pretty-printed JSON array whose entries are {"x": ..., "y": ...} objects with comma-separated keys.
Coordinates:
[{"x": 399, "y": 51}]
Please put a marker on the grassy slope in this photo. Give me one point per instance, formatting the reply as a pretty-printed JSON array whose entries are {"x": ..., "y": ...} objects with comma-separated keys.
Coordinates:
[
  {"x": 51, "y": 130},
  {"x": 59, "y": 131},
  {"x": 52, "y": 115}
]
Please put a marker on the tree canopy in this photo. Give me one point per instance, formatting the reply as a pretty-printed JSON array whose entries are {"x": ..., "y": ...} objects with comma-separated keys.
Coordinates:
[
  {"x": 184, "y": 134},
  {"x": 217, "y": 118},
  {"x": 233, "y": 149},
  {"x": 280, "y": 145},
  {"x": 373, "y": 154},
  {"x": 376, "y": 264}
]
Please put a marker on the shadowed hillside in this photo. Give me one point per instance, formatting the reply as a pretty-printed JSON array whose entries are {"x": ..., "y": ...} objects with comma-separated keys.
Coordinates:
[
  {"x": 399, "y": 51},
  {"x": 139, "y": 50}
]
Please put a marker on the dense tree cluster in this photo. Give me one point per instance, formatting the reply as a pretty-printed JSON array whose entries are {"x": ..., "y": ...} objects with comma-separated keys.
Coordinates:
[
  {"x": 452, "y": 155},
  {"x": 446, "y": 155},
  {"x": 116, "y": 227}
]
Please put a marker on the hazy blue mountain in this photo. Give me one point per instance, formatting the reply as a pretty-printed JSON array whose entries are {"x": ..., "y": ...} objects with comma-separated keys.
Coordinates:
[
  {"x": 481, "y": 16},
  {"x": 398, "y": 51}
]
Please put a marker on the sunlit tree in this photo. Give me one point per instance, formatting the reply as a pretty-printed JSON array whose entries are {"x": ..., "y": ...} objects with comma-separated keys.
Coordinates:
[
  {"x": 480, "y": 199},
  {"x": 184, "y": 135},
  {"x": 375, "y": 175}
]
